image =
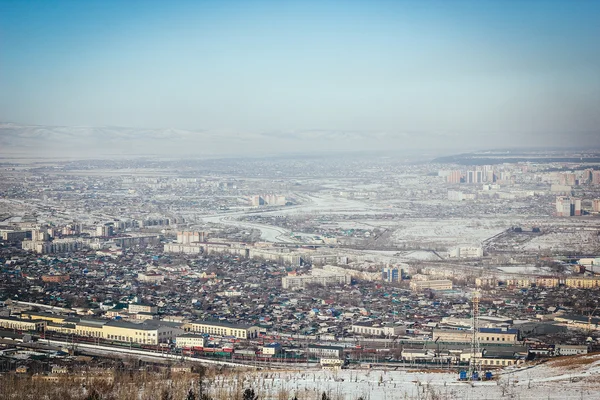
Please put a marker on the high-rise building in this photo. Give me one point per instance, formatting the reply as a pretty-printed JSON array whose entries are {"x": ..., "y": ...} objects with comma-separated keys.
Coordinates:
[
  {"x": 470, "y": 176},
  {"x": 453, "y": 177},
  {"x": 595, "y": 177},
  {"x": 190, "y": 237},
  {"x": 568, "y": 206},
  {"x": 596, "y": 205},
  {"x": 267, "y": 200},
  {"x": 575, "y": 206},
  {"x": 563, "y": 207},
  {"x": 391, "y": 274},
  {"x": 256, "y": 201},
  {"x": 476, "y": 176},
  {"x": 569, "y": 179},
  {"x": 587, "y": 176},
  {"x": 479, "y": 176},
  {"x": 39, "y": 236},
  {"x": 105, "y": 230}
]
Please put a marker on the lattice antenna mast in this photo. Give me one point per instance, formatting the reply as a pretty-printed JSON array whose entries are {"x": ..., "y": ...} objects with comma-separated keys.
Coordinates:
[{"x": 475, "y": 362}]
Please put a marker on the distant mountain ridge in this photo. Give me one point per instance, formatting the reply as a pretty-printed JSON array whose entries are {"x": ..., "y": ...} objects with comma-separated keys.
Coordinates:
[
  {"x": 13, "y": 134},
  {"x": 84, "y": 140}
]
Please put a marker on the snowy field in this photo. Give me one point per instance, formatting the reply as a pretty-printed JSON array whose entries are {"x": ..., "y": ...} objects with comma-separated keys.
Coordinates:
[
  {"x": 557, "y": 379},
  {"x": 437, "y": 233},
  {"x": 449, "y": 232},
  {"x": 582, "y": 241},
  {"x": 525, "y": 269}
]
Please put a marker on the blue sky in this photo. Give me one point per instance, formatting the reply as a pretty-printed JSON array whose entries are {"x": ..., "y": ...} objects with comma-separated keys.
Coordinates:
[{"x": 476, "y": 72}]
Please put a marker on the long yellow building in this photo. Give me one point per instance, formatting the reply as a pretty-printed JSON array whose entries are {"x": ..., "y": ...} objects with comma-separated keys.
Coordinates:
[
  {"x": 223, "y": 329},
  {"x": 22, "y": 324},
  {"x": 148, "y": 332},
  {"x": 485, "y": 335},
  {"x": 583, "y": 283},
  {"x": 55, "y": 318}
]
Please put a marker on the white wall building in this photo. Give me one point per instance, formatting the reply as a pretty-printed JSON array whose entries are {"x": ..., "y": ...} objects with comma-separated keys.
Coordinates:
[
  {"x": 466, "y": 252},
  {"x": 189, "y": 340},
  {"x": 317, "y": 276}
]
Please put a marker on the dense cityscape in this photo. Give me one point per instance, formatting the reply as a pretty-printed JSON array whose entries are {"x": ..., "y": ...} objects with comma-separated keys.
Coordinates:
[
  {"x": 299, "y": 200},
  {"x": 332, "y": 263}
]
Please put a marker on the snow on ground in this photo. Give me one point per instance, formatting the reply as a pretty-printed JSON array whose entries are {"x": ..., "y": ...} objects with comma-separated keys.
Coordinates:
[
  {"x": 563, "y": 378},
  {"x": 364, "y": 224},
  {"x": 427, "y": 232},
  {"x": 583, "y": 241},
  {"x": 420, "y": 255},
  {"x": 453, "y": 232},
  {"x": 525, "y": 269}
]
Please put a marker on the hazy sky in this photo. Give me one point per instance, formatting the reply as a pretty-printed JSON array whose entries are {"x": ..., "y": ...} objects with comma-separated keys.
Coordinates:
[{"x": 455, "y": 72}]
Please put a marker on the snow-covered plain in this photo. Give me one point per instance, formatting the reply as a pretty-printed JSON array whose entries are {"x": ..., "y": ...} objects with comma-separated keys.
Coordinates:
[
  {"x": 449, "y": 232},
  {"x": 553, "y": 380},
  {"x": 581, "y": 241}
]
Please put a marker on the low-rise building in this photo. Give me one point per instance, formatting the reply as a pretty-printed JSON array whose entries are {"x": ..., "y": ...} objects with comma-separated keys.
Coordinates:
[
  {"x": 417, "y": 354},
  {"x": 45, "y": 316},
  {"x": 466, "y": 252},
  {"x": 583, "y": 283},
  {"x": 144, "y": 333},
  {"x": 271, "y": 349},
  {"x": 55, "y": 278},
  {"x": 570, "y": 350},
  {"x": 485, "y": 335},
  {"x": 150, "y": 277},
  {"x": 331, "y": 363},
  {"x": 183, "y": 248},
  {"x": 190, "y": 340},
  {"x": 135, "y": 308},
  {"x": 317, "y": 276},
  {"x": 440, "y": 284},
  {"x": 22, "y": 324},
  {"x": 579, "y": 321},
  {"x": 325, "y": 351},
  {"x": 547, "y": 282},
  {"x": 376, "y": 329},
  {"x": 223, "y": 329},
  {"x": 147, "y": 332}
]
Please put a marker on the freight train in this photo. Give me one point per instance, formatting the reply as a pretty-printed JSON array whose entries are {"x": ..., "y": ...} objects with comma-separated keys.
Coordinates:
[{"x": 242, "y": 354}]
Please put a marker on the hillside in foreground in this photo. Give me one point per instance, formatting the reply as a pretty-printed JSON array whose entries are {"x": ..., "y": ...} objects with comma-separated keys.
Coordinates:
[{"x": 562, "y": 378}]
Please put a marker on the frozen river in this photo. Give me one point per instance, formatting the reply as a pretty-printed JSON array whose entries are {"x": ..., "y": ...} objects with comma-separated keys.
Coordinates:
[
  {"x": 268, "y": 233},
  {"x": 276, "y": 234}
]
